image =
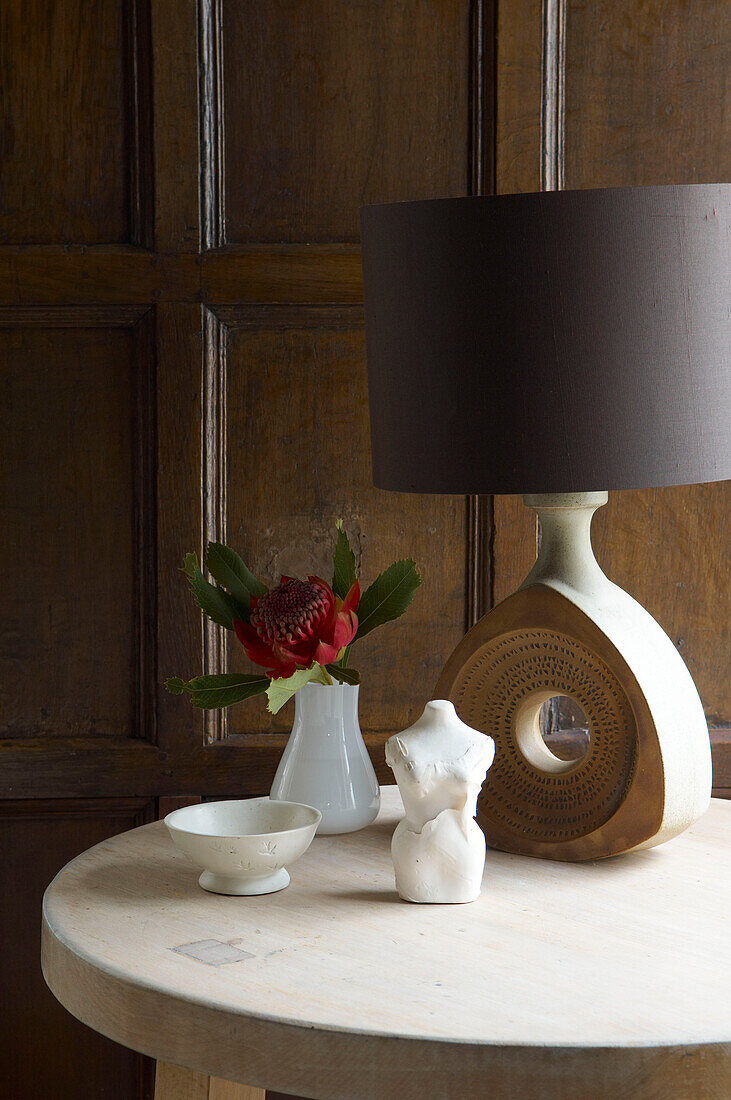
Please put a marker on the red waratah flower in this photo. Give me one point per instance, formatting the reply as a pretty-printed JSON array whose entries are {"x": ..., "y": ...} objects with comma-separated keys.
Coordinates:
[{"x": 298, "y": 623}]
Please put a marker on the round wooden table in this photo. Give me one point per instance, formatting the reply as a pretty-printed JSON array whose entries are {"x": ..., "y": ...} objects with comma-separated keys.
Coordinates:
[{"x": 606, "y": 979}]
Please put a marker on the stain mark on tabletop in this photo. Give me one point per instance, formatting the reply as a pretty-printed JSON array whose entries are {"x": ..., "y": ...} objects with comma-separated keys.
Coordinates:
[{"x": 212, "y": 952}]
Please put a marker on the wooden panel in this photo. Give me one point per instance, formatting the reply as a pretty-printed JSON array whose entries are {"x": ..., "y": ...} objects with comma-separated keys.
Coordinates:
[
  {"x": 297, "y": 458},
  {"x": 58, "y": 276},
  {"x": 309, "y": 274},
  {"x": 175, "y": 109},
  {"x": 287, "y": 273},
  {"x": 74, "y": 443},
  {"x": 519, "y": 99},
  {"x": 331, "y": 105},
  {"x": 44, "y": 1051},
  {"x": 647, "y": 92},
  {"x": 77, "y": 178}
]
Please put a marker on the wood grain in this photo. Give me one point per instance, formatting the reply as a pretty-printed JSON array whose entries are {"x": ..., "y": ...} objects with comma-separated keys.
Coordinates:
[
  {"x": 176, "y": 1083},
  {"x": 306, "y": 274},
  {"x": 173, "y": 103},
  {"x": 341, "y": 105},
  {"x": 519, "y": 96},
  {"x": 68, "y": 436},
  {"x": 90, "y": 276},
  {"x": 315, "y": 1008},
  {"x": 218, "y": 1089},
  {"x": 647, "y": 92},
  {"x": 71, "y": 181}
]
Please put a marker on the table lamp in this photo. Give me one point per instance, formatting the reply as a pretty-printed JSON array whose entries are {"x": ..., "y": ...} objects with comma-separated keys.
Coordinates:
[{"x": 559, "y": 345}]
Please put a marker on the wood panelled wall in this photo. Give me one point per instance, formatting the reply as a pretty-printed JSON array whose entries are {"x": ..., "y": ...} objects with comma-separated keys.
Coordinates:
[{"x": 182, "y": 359}]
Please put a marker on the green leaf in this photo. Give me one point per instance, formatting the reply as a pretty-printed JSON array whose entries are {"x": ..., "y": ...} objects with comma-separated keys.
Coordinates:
[
  {"x": 344, "y": 564},
  {"x": 229, "y": 571},
  {"x": 344, "y": 675},
  {"x": 388, "y": 596},
  {"x": 215, "y": 692},
  {"x": 281, "y": 691},
  {"x": 213, "y": 602}
]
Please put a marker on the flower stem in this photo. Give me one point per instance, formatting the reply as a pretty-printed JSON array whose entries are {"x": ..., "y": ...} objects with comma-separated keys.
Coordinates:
[{"x": 344, "y": 659}]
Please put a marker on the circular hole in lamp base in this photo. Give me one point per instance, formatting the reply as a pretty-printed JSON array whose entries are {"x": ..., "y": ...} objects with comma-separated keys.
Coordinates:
[{"x": 541, "y": 737}]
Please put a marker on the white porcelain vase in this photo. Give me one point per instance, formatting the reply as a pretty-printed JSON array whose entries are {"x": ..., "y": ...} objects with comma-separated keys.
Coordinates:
[{"x": 326, "y": 763}]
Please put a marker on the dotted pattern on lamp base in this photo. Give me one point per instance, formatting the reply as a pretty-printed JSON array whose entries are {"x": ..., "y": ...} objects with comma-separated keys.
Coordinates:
[{"x": 492, "y": 685}]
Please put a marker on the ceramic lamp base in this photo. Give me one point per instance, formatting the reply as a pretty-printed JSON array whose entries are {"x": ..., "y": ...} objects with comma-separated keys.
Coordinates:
[
  {"x": 568, "y": 630},
  {"x": 244, "y": 887}
]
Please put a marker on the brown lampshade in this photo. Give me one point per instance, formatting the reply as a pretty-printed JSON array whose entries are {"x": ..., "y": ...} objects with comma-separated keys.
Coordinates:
[{"x": 554, "y": 342}]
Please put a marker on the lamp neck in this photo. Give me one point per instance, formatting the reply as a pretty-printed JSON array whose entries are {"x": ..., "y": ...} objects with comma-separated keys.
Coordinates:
[{"x": 565, "y": 558}]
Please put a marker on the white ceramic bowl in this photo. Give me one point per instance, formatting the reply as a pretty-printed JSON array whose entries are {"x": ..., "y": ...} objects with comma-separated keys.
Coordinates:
[{"x": 243, "y": 846}]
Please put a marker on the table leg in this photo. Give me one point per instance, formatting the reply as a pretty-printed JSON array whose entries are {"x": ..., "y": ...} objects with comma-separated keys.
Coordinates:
[
  {"x": 176, "y": 1083},
  {"x": 218, "y": 1089}
]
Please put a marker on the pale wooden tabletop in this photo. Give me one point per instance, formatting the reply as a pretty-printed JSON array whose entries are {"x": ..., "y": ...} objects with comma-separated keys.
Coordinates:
[{"x": 611, "y": 976}]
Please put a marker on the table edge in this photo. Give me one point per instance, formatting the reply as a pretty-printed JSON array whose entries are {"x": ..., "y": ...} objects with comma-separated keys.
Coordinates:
[
  {"x": 300, "y": 1060},
  {"x": 53, "y": 941}
]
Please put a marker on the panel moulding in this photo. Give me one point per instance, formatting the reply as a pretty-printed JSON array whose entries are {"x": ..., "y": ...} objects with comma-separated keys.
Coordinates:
[
  {"x": 141, "y": 320},
  {"x": 214, "y": 445},
  {"x": 553, "y": 105},
  {"x": 214, "y": 441},
  {"x": 212, "y": 131},
  {"x": 139, "y": 122},
  {"x": 139, "y": 811}
]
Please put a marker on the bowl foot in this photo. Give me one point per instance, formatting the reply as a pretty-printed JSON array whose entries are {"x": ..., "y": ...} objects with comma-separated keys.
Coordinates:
[{"x": 244, "y": 887}]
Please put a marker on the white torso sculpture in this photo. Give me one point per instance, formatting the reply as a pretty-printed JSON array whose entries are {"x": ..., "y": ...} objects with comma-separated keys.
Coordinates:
[{"x": 440, "y": 764}]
